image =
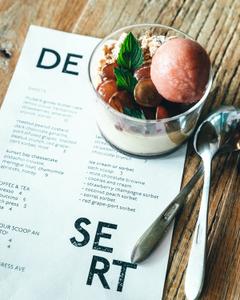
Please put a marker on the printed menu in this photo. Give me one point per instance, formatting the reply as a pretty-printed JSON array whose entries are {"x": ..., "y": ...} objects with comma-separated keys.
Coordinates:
[{"x": 71, "y": 206}]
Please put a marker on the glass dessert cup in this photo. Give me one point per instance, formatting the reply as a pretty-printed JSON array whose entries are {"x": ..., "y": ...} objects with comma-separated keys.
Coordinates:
[{"x": 139, "y": 136}]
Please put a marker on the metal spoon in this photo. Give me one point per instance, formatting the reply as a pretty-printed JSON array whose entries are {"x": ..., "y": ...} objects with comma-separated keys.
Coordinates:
[
  {"x": 213, "y": 134},
  {"x": 153, "y": 235}
]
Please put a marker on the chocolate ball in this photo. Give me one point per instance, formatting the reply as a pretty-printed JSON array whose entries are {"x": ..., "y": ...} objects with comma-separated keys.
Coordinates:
[{"x": 180, "y": 70}]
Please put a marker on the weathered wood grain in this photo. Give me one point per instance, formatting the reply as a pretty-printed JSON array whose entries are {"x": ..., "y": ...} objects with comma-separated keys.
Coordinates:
[{"x": 216, "y": 25}]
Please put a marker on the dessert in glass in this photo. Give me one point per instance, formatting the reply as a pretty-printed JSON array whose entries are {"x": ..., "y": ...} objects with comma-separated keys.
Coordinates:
[{"x": 150, "y": 83}]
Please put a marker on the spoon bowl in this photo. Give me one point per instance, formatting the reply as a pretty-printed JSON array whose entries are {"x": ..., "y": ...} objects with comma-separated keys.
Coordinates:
[{"x": 218, "y": 132}]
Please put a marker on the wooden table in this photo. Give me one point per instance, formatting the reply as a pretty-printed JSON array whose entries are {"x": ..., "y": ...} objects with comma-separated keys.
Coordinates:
[{"x": 216, "y": 25}]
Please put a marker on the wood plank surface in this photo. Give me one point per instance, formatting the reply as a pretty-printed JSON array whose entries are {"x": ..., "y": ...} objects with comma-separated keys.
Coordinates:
[{"x": 216, "y": 25}]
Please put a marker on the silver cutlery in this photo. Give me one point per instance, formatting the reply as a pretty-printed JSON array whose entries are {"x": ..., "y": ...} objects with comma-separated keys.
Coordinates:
[
  {"x": 212, "y": 134},
  {"x": 153, "y": 235}
]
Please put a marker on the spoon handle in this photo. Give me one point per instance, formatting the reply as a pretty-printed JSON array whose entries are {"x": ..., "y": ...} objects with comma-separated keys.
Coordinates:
[
  {"x": 152, "y": 236},
  {"x": 196, "y": 265}
]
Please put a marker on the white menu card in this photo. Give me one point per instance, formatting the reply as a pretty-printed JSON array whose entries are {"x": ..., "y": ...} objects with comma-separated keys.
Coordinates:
[{"x": 71, "y": 207}]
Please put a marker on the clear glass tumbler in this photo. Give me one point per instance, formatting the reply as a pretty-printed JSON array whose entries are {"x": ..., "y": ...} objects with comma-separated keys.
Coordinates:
[{"x": 136, "y": 136}]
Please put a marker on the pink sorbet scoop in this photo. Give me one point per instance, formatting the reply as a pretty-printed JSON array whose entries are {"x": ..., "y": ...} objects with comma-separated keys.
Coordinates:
[{"x": 180, "y": 70}]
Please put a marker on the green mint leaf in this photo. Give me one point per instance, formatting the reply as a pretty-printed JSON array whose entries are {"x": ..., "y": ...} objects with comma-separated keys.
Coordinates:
[
  {"x": 125, "y": 79},
  {"x": 130, "y": 55},
  {"x": 136, "y": 113}
]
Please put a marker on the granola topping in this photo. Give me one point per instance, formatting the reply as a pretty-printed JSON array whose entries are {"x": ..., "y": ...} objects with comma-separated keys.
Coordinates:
[{"x": 148, "y": 41}]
